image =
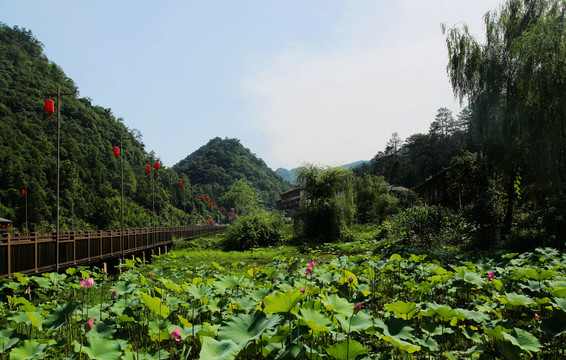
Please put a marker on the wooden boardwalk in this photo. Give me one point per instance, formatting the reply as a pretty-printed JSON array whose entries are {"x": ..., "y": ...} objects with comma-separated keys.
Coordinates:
[{"x": 36, "y": 253}]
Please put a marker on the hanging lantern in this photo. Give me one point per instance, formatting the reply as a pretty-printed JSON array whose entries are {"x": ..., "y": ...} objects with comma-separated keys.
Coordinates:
[
  {"x": 147, "y": 169},
  {"x": 157, "y": 166},
  {"x": 207, "y": 198},
  {"x": 49, "y": 108},
  {"x": 203, "y": 198},
  {"x": 116, "y": 152},
  {"x": 23, "y": 193},
  {"x": 180, "y": 184}
]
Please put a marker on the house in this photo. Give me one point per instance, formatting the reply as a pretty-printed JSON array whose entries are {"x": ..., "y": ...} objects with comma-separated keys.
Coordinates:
[
  {"x": 291, "y": 199},
  {"x": 434, "y": 191}
]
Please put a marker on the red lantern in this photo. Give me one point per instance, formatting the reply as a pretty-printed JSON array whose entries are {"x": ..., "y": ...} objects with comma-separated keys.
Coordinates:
[
  {"x": 157, "y": 166},
  {"x": 203, "y": 198},
  {"x": 147, "y": 169},
  {"x": 23, "y": 193},
  {"x": 116, "y": 152},
  {"x": 180, "y": 184},
  {"x": 49, "y": 108},
  {"x": 207, "y": 198}
]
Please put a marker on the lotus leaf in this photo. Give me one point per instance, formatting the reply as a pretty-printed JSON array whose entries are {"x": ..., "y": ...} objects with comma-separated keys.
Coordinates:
[
  {"x": 555, "y": 325},
  {"x": 560, "y": 303},
  {"x": 359, "y": 322},
  {"x": 29, "y": 350},
  {"x": 514, "y": 299},
  {"x": 104, "y": 329},
  {"x": 59, "y": 316},
  {"x": 350, "y": 349},
  {"x": 245, "y": 327},
  {"x": 218, "y": 350},
  {"x": 6, "y": 340},
  {"x": 339, "y": 305},
  {"x": 523, "y": 339},
  {"x": 158, "y": 330},
  {"x": 402, "y": 309},
  {"x": 100, "y": 349},
  {"x": 282, "y": 302},
  {"x": 155, "y": 305},
  {"x": 315, "y": 320}
]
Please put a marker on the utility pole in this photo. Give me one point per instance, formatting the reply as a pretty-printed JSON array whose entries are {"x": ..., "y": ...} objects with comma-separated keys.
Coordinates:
[{"x": 58, "y": 167}]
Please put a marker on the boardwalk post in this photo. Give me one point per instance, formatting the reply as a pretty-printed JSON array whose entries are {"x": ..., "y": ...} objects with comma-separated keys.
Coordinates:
[
  {"x": 35, "y": 251},
  {"x": 9, "y": 256}
]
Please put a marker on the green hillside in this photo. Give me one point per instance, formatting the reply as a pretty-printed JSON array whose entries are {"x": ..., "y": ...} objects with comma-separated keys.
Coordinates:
[
  {"x": 218, "y": 164},
  {"x": 90, "y": 175}
]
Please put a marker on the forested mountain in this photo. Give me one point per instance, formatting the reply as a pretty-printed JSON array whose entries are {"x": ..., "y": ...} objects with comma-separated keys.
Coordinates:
[
  {"x": 288, "y": 175},
  {"x": 90, "y": 175},
  {"x": 215, "y": 166}
]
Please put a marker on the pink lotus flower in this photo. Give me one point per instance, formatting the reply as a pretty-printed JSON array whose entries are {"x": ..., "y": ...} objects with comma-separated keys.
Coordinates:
[
  {"x": 351, "y": 279},
  {"x": 357, "y": 307},
  {"x": 88, "y": 284},
  {"x": 312, "y": 264},
  {"x": 309, "y": 269},
  {"x": 490, "y": 275},
  {"x": 537, "y": 318},
  {"x": 176, "y": 335},
  {"x": 115, "y": 292},
  {"x": 303, "y": 290},
  {"x": 89, "y": 324},
  {"x": 149, "y": 274}
]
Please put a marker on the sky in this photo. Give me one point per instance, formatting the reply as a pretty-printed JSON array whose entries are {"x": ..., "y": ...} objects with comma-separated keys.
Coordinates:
[{"x": 322, "y": 82}]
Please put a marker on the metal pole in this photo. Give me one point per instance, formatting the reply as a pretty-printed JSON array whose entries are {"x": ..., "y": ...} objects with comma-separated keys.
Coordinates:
[
  {"x": 153, "y": 205},
  {"x": 122, "y": 191},
  {"x": 171, "y": 195},
  {"x": 58, "y": 157}
]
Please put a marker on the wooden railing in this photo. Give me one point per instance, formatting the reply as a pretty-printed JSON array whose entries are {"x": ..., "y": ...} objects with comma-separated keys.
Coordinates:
[{"x": 36, "y": 253}]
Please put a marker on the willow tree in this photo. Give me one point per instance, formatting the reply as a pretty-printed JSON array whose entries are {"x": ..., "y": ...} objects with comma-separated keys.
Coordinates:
[
  {"x": 329, "y": 205},
  {"x": 514, "y": 84}
]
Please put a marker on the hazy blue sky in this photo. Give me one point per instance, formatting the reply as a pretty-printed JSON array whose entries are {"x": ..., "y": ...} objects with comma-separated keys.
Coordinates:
[{"x": 318, "y": 81}]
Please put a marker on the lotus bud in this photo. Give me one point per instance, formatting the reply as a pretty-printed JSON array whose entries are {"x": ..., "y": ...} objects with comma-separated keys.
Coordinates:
[
  {"x": 89, "y": 324},
  {"x": 176, "y": 334}
]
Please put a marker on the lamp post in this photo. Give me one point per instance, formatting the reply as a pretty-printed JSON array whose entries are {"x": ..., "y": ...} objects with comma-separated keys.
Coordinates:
[
  {"x": 25, "y": 194},
  {"x": 49, "y": 110},
  {"x": 117, "y": 152}
]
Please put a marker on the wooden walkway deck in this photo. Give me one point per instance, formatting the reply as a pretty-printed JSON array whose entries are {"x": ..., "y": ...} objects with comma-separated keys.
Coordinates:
[{"x": 36, "y": 253}]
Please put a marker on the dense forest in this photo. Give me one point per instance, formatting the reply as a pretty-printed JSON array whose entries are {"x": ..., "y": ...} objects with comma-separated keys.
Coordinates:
[
  {"x": 215, "y": 166},
  {"x": 411, "y": 161},
  {"x": 90, "y": 175}
]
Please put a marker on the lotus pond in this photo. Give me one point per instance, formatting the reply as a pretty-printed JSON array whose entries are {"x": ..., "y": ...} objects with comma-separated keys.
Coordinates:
[{"x": 312, "y": 306}]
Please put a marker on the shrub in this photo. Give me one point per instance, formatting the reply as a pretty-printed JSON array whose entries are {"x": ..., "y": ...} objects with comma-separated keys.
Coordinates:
[
  {"x": 258, "y": 230},
  {"x": 425, "y": 225}
]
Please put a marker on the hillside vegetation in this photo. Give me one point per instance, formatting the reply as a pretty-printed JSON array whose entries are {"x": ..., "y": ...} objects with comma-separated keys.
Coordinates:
[
  {"x": 90, "y": 175},
  {"x": 218, "y": 164}
]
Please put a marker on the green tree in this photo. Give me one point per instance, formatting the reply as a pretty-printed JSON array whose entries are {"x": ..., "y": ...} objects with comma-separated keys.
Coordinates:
[
  {"x": 242, "y": 197},
  {"x": 514, "y": 84},
  {"x": 373, "y": 201},
  {"x": 329, "y": 206}
]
